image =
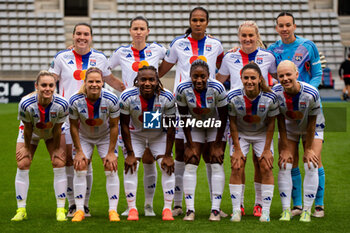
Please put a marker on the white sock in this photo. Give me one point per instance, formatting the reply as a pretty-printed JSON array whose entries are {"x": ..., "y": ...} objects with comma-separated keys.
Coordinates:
[
  {"x": 168, "y": 185},
  {"x": 149, "y": 182},
  {"x": 112, "y": 187},
  {"x": 310, "y": 185},
  {"x": 70, "y": 186},
  {"x": 190, "y": 181},
  {"x": 285, "y": 185},
  {"x": 79, "y": 188},
  {"x": 209, "y": 177},
  {"x": 257, "y": 187},
  {"x": 60, "y": 185},
  {"x": 22, "y": 185},
  {"x": 218, "y": 184},
  {"x": 130, "y": 186},
  {"x": 266, "y": 195},
  {"x": 179, "y": 173},
  {"x": 89, "y": 179},
  {"x": 242, "y": 195},
  {"x": 235, "y": 193}
]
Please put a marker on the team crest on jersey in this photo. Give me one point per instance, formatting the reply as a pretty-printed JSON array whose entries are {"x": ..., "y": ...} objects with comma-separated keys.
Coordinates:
[
  {"x": 208, "y": 47},
  {"x": 210, "y": 100},
  {"x": 71, "y": 62},
  {"x": 259, "y": 60},
  {"x": 298, "y": 56},
  {"x": 302, "y": 104},
  {"x": 262, "y": 107},
  {"x": 157, "y": 107},
  {"x": 148, "y": 53},
  {"x": 93, "y": 62},
  {"x": 103, "y": 109},
  {"x": 53, "y": 114}
]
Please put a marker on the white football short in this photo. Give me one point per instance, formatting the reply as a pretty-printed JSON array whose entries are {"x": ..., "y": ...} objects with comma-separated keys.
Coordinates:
[
  {"x": 155, "y": 142},
  {"x": 257, "y": 144},
  {"x": 66, "y": 133},
  {"x": 35, "y": 138}
]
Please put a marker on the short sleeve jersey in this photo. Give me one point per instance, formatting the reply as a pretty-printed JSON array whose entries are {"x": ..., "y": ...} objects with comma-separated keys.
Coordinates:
[
  {"x": 296, "y": 109},
  {"x": 134, "y": 105},
  {"x": 252, "y": 114},
  {"x": 233, "y": 63},
  {"x": 43, "y": 119},
  {"x": 184, "y": 50},
  {"x": 304, "y": 54},
  {"x": 202, "y": 105},
  {"x": 94, "y": 117},
  {"x": 131, "y": 59},
  {"x": 71, "y": 68}
]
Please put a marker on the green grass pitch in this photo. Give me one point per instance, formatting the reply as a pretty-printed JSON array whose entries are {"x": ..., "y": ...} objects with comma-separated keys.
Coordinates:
[{"x": 41, "y": 206}]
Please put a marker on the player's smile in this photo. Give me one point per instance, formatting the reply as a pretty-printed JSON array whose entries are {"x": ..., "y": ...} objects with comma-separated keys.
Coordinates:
[
  {"x": 94, "y": 85},
  {"x": 147, "y": 82},
  {"x": 82, "y": 39},
  {"x": 288, "y": 76},
  {"x": 250, "y": 79},
  {"x": 199, "y": 78},
  {"x": 248, "y": 39}
]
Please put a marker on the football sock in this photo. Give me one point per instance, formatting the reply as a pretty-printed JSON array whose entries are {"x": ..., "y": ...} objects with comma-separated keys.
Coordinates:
[
  {"x": 112, "y": 187},
  {"x": 70, "y": 186},
  {"x": 130, "y": 186},
  {"x": 235, "y": 193},
  {"x": 209, "y": 177},
  {"x": 22, "y": 185},
  {"x": 168, "y": 184},
  {"x": 179, "y": 173},
  {"x": 60, "y": 185},
  {"x": 257, "y": 187},
  {"x": 310, "y": 185},
  {"x": 189, "y": 184},
  {"x": 296, "y": 191},
  {"x": 149, "y": 182},
  {"x": 218, "y": 184},
  {"x": 321, "y": 187},
  {"x": 285, "y": 185},
  {"x": 266, "y": 195},
  {"x": 89, "y": 179},
  {"x": 79, "y": 188}
]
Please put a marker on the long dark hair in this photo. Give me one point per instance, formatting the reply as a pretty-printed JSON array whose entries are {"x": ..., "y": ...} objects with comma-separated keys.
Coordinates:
[
  {"x": 285, "y": 13},
  {"x": 82, "y": 24},
  {"x": 252, "y": 65},
  {"x": 159, "y": 86},
  {"x": 189, "y": 30},
  {"x": 139, "y": 17}
]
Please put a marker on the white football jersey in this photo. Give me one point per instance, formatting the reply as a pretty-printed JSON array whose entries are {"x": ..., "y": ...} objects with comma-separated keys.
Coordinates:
[
  {"x": 233, "y": 63},
  {"x": 252, "y": 115},
  {"x": 71, "y": 68},
  {"x": 296, "y": 109},
  {"x": 183, "y": 51},
  {"x": 131, "y": 59},
  {"x": 42, "y": 119},
  {"x": 94, "y": 117},
  {"x": 133, "y": 104},
  {"x": 202, "y": 106}
]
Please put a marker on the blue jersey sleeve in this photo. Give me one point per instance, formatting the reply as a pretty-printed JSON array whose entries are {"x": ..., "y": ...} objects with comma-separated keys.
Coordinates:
[{"x": 315, "y": 64}]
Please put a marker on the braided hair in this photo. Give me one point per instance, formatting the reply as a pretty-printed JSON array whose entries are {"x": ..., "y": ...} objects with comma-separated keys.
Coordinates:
[{"x": 200, "y": 63}]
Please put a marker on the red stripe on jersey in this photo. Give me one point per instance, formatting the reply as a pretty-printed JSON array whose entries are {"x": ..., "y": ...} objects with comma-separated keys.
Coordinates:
[
  {"x": 289, "y": 101},
  {"x": 248, "y": 105},
  {"x": 269, "y": 79},
  {"x": 90, "y": 107},
  {"x": 194, "y": 45},
  {"x": 198, "y": 99},
  {"x": 41, "y": 112},
  {"x": 245, "y": 57},
  {"x": 78, "y": 60},
  {"x": 136, "y": 54},
  {"x": 219, "y": 58},
  {"x": 144, "y": 104}
]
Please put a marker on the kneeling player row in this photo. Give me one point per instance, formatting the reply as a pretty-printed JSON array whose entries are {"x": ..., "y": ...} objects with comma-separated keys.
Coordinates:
[{"x": 94, "y": 114}]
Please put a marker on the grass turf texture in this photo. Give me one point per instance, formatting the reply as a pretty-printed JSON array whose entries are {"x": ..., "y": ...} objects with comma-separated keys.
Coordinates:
[{"x": 41, "y": 205}]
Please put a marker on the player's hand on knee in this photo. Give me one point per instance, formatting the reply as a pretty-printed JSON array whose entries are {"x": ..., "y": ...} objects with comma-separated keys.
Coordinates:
[
  {"x": 268, "y": 157},
  {"x": 59, "y": 154},
  {"x": 22, "y": 153},
  {"x": 284, "y": 158},
  {"x": 80, "y": 161},
  {"x": 168, "y": 164},
  {"x": 130, "y": 163},
  {"x": 216, "y": 153},
  {"x": 310, "y": 156},
  {"x": 236, "y": 159},
  {"x": 111, "y": 162}
]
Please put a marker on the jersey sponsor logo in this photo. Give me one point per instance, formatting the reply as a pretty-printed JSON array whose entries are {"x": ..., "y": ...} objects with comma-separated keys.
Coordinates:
[
  {"x": 129, "y": 55},
  {"x": 210, "y": 99},
  {"x": 79, "y": 74},
  {"x": 151, "y": 119},
  {"x": 103, "y": 109},
  {"x": 53, "y": 114},
  {"x": 187, "y": 49},
  {"x": 208, "y": 47},
  {"x": 294, "y": 115},
  {"x": 94, "y": 122},
  {"x": 43, "y": 125},
  {"x": 71, "y": 62},
  {"x": 237, "y": 61},
  {"x": 259, "y": 60},
  {"x": 93, "y": 62},
  {"x": 136, "y": 108},
  {"x": 262, "y": 107},
  {"x": 148, "y": 53},
  {"x": 191, "y": 101},
  {"x": 298, "y": 56},
  {"x": 83, "y": 111}
]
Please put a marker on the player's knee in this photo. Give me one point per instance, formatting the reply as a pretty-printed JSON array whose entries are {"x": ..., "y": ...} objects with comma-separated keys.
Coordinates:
[
  {"x": 264, "y": 168},
  {"x": 312, "y": 169},
  {"x": 57, "y": 162},
  {"x": 81, "y": 167},
  {"x": 192, "y": 160},
  {"x": 24, "y": 164}
]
